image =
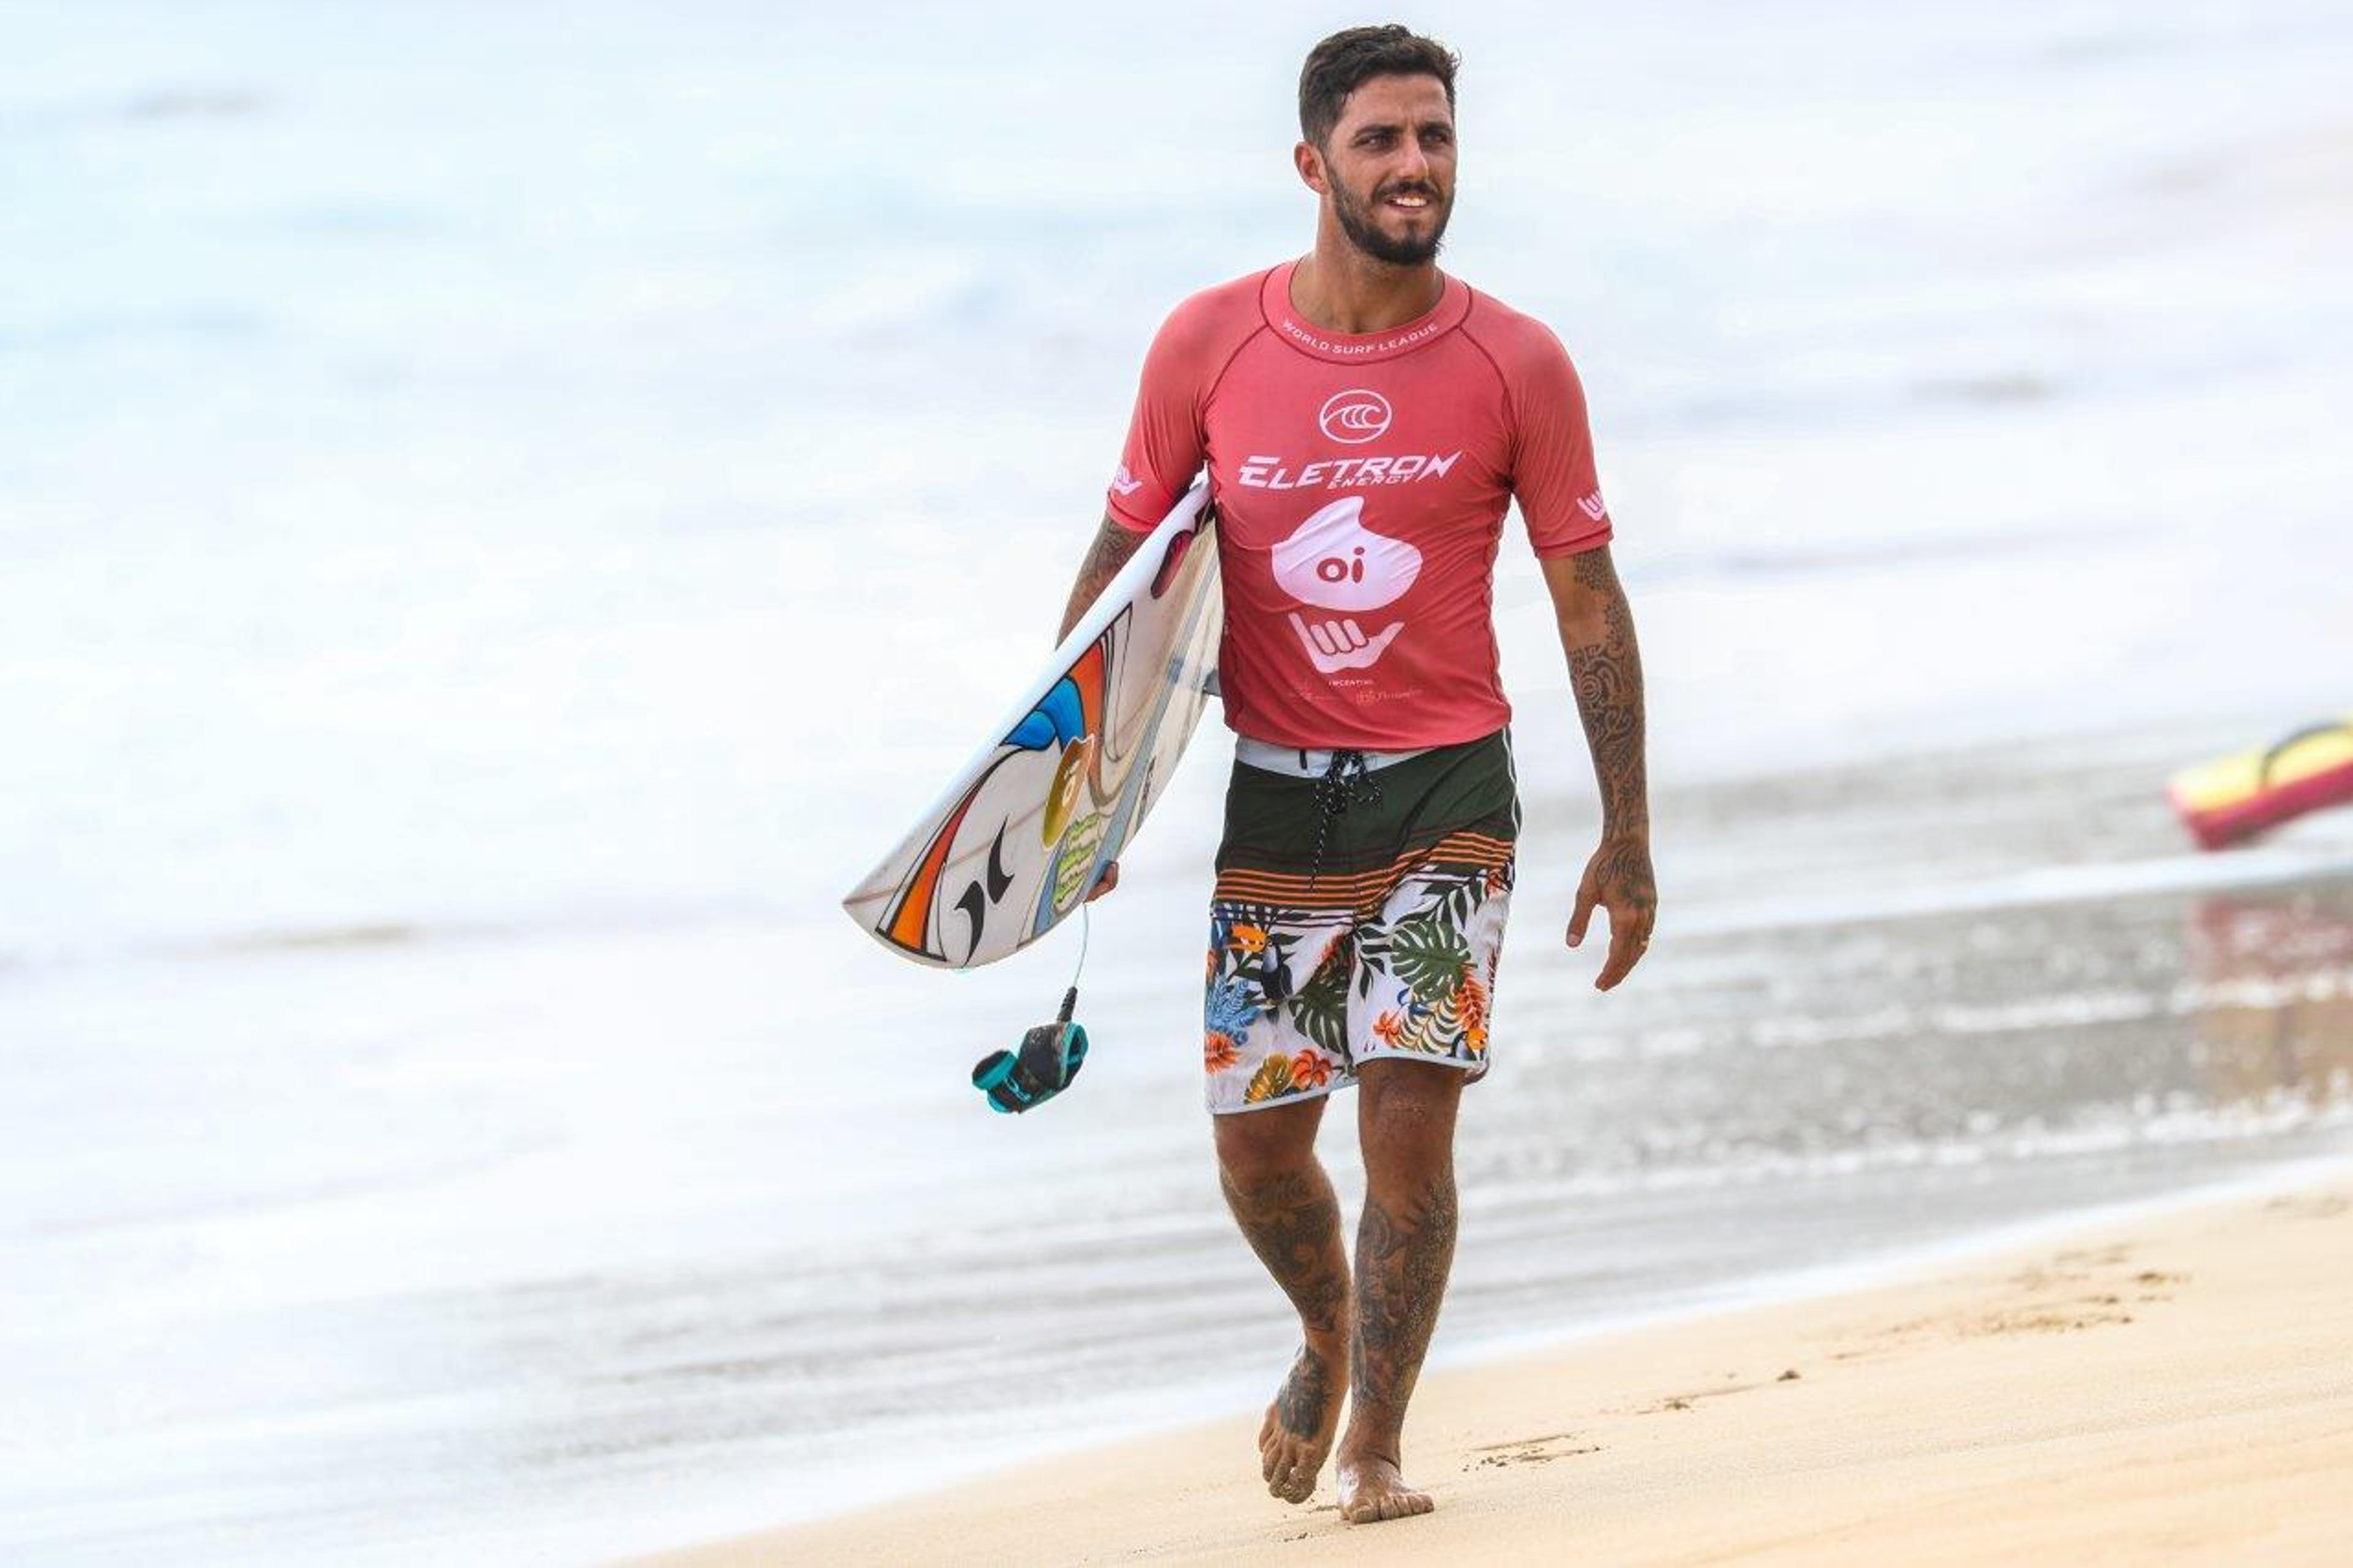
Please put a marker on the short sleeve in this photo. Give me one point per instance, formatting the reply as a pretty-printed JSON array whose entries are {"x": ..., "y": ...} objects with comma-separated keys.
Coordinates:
[
  {"x": 1164, "y": 444},
  {"x": 1553, "y": 473}
]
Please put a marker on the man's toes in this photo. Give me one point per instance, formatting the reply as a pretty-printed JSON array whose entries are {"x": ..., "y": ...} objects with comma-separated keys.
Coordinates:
[
  {"x": 1404, "y": 1505},
  {"x": 1282, "y": 1464}
]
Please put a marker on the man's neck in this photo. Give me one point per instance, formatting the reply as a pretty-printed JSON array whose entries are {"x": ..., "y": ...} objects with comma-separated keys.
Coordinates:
[{"x": 1341, "y": 289}]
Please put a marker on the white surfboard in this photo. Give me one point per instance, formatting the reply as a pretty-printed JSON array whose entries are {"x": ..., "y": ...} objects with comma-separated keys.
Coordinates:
[{"x": 1017, "y": 839}]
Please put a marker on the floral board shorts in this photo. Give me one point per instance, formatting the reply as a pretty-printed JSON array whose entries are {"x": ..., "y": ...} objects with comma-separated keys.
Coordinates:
[{"x": 1357, "y": 915}]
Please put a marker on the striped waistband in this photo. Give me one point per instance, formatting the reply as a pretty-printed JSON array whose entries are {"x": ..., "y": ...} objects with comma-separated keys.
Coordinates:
[
  {"x": 1308, "y": 764},
  {"x": 1364, "y": 890}
]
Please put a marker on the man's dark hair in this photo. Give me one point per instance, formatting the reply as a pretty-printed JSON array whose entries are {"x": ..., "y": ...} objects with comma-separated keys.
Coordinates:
[{"x": 1354, "y": 56}]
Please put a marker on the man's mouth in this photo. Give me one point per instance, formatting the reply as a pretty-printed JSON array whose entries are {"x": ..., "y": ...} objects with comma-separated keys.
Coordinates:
[{"x": 1411, "y": 201}]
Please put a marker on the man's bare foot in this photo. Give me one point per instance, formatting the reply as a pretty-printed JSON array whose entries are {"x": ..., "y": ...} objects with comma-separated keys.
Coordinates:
[
  {"x": 1296, "y": 1437},
  {"x": 1372, "y": 1491}
]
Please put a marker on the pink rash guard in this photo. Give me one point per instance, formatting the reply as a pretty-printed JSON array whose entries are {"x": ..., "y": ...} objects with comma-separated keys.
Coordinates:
[{"x": 1361, "y": 483}]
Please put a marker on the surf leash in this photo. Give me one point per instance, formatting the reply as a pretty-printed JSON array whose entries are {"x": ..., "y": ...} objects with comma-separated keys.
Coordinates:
[{"x": 1049, "y": 1056}]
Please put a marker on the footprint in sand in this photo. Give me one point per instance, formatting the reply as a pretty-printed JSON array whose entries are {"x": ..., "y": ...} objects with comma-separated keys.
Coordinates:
[
  {"x": 1685, "y": 1401},
  {"x": 1530, "y": 1451},
  {"x": 2327, "y": 1205},
  {"x": 2048, "y": 1318}
]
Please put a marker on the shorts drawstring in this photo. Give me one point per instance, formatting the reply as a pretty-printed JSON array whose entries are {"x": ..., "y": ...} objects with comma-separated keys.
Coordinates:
[{"x": 1346, "y": 782}]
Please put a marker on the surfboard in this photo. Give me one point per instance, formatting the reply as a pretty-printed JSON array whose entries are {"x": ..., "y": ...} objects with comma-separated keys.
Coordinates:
[
  {"x": 2238, "y": 796},
  {"x": 1060, "y": 787}
]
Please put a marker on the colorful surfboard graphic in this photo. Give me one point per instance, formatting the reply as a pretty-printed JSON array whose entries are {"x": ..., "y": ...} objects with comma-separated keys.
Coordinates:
[
  {"x": 1071, "y": 711},
  {"x": 1015, "y": 845},
  {"x": 1130, "y": 796}
]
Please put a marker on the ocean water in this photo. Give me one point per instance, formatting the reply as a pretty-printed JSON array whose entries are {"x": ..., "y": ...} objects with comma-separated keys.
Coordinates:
[{"x": 508, "y": 511}]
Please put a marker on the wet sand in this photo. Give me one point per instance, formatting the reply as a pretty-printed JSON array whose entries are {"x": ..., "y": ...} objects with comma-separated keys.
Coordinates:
[{"x": 2173, "y": 1385}]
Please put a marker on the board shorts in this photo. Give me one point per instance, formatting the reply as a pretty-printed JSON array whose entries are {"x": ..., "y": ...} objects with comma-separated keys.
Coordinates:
[{"x": 1359, "y": 914}]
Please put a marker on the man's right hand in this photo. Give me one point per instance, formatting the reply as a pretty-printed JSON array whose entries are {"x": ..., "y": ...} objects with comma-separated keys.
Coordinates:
[
  {"x": 1113, "y": 548},
  {"x": 1113, "y": 545}
]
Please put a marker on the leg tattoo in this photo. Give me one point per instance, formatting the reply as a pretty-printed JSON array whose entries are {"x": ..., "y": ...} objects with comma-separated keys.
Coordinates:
[
  {"x": 1292, "y": 1222},
  {"x": 1402, "y": 1261},
  {"x": 1403, "y": 1254}
]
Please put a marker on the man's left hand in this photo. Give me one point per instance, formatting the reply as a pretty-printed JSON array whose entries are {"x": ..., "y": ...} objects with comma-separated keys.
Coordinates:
[{"x": 1618, "y": 879}]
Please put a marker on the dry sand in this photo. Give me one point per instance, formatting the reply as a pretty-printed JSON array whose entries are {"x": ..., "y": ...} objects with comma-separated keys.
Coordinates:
[{"x": 2167, "y": 1388}]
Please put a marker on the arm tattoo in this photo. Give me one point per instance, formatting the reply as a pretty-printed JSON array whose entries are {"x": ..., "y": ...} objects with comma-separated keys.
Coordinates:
[
  {"x": 1607, "y": 672},
  {"x": 1292, "y": 1223},
  {"x": 1113, "y": 547},
  {"x": 1402, "y": 1261}
]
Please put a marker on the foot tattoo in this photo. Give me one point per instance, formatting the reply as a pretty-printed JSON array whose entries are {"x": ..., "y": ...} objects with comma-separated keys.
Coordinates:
[{"x": 1296, "y": 1437}]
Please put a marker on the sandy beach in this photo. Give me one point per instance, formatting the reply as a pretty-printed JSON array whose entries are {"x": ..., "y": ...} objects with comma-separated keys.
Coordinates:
[{"x": 2174, "y": 1386}]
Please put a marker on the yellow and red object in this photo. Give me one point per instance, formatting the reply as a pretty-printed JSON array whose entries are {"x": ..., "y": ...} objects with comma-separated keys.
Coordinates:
[{"x": 2225, "y": 801}]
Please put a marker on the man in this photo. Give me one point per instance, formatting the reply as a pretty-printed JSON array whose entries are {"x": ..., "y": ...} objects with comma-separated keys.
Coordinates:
[{"x": 1366, "y": 420}]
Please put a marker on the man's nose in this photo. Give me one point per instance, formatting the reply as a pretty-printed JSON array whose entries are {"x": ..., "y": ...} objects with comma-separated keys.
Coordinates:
[{"x": 1414, "y": 164}]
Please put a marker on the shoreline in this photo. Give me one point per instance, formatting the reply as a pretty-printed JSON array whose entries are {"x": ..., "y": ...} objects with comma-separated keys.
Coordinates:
[{"x": 2068, "y": 1354}]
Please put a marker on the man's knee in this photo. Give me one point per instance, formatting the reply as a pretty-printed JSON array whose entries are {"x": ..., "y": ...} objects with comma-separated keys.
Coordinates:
[
  {"x": 1258, "y": 1146},
  {"x": 1408, "y": 1110}
]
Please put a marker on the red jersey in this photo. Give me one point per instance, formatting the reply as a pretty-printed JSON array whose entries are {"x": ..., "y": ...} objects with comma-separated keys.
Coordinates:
[{"x": 1361, "y": 482}]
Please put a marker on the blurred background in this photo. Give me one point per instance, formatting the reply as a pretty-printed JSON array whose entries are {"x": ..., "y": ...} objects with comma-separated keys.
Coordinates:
[{"x": 509, "y": 509}]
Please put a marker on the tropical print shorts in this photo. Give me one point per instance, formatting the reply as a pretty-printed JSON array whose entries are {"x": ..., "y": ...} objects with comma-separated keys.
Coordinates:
[{"x": 1341, "y": 935}]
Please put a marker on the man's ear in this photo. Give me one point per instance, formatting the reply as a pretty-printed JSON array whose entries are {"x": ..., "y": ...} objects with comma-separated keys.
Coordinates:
[{"x": 1310, "y": 164}]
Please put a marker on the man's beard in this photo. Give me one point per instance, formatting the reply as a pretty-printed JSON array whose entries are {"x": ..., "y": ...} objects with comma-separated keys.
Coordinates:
[{"x": 1357, "y": 223}]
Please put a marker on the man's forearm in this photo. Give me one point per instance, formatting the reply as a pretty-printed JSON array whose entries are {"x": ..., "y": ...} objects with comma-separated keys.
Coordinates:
[
  {"x": 1113, "y": 547},
  {"x": 1605, "y": 668}
]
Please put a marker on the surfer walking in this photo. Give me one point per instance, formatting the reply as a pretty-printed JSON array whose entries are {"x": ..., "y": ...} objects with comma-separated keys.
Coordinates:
[{"x": 1366, "y": 420}]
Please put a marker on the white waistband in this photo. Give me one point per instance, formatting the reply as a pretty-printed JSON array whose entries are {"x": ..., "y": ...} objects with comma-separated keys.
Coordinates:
[{"x": 1308, "y": 764}]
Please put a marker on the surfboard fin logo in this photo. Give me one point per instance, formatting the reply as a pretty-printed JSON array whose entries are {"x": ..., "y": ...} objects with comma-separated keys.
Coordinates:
[{"x": 980, "y": 897}]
